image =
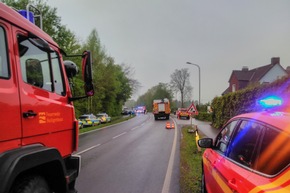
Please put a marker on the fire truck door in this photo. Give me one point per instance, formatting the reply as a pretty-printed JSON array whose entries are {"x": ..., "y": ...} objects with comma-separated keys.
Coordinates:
[
  {"x": 10, "y": 122},
  {"x": 47, "y": 115}
]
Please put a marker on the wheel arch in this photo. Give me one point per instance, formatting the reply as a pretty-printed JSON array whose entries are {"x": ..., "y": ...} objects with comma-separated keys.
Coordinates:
[{"x": 34, "y": 159}]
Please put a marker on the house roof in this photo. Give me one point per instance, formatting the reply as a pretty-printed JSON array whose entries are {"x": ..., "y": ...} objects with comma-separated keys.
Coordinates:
[
  {"x": 246, "y": 76},
  {"x": 251, "y": 75}
]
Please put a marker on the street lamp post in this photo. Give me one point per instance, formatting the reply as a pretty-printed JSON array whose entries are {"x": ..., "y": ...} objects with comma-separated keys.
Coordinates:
[{"x": 198, "y": 80}]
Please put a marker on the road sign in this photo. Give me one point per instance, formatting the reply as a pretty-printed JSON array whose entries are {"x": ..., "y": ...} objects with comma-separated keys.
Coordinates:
[{"x": 192, "y": 109}]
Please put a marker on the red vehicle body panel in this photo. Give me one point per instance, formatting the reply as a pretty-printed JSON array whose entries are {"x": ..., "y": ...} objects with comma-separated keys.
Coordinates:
[
  {"x": 224, "y": 175},
  {"x": 55, "y": 124}
]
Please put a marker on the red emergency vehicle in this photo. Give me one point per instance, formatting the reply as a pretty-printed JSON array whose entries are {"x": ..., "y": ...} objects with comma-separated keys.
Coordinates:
[
  {"x": 39, "y": 131},
  {"x": 182, "y": 113},
  {"x": 251, "y": 154}
]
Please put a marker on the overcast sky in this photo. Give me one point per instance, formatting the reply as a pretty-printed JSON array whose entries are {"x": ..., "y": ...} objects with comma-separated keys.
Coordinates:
[{"x": 156, "y": 37}]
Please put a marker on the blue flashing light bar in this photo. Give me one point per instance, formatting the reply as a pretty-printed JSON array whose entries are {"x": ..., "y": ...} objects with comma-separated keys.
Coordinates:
[{"x": 271, "y": 102}]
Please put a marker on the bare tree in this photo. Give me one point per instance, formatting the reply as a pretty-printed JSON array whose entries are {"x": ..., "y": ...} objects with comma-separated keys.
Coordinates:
[
  {"x": 180, "y": 83},
  {"x": 129, "y": 72}
]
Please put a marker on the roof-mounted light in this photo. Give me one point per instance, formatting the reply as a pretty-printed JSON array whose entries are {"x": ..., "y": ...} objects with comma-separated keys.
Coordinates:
[
  {"x": 28, "y": 15},
  {"x": 31, "y": 16},
  {"x": 270, "y": 102}
]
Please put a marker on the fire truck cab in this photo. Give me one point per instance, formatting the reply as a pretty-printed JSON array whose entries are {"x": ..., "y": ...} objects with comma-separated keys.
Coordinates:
[{"x": 38, "y": 128}]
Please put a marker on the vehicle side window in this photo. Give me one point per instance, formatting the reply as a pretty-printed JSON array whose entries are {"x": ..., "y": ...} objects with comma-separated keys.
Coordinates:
[
  {"x": 224, "y": 136},
  {"x": 244, "y": 143},
  {"x": 36, "y": 69},
  {"x": 274, "y": 154},
  {"x": 57, "y": 75},
  {"x": 4, "y": 68},
  {"x": 34, "y": 65}
]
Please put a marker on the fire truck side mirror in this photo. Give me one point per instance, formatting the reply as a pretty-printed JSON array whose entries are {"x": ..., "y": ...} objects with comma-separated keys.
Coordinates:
[{"x": 87, "y": 73}]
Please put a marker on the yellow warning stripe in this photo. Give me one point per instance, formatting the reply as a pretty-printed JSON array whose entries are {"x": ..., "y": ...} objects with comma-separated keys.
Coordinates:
[
  {"x": 273, "y": 186},
  {"x": 219, "y": 180}
]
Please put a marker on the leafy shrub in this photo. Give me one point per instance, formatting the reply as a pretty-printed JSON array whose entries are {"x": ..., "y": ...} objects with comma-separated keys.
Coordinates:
[{"x": 245, "y": 101}]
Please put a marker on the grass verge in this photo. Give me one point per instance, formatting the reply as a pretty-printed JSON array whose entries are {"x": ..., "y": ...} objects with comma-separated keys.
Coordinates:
[
  {"x": 115, "y": 120},
  {"x": 190, "y": 163}
]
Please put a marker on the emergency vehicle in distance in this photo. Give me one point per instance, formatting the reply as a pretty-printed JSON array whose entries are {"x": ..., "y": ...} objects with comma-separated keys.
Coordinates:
[
  {"x": 251, "y": 153},
  {"x": 140, "y": 110},
  {"x": 161, "y": 108},
  {"x": 39, "y": 131},
  {"x": 182, "y": 113}
]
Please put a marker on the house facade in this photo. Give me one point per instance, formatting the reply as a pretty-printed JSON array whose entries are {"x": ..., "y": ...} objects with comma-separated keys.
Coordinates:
[{"x": 240, "y": 79}]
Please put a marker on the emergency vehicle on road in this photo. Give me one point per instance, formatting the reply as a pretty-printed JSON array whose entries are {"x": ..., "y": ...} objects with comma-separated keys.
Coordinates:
[
  {"x": 161, "y": 108},
  {"x": 38, "y": 128},
  {"x": 251, "y": 154},
  {"x": 182, "y": 113}
]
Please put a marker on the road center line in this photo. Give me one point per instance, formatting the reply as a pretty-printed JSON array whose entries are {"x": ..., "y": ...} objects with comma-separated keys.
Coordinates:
[
  {"x": 167, "y": 180},
  {"x": 119, "y": 135},
  {"x": 88, "y": 149}
]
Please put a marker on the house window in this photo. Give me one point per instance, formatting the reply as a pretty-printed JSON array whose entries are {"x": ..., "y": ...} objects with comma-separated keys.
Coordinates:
[{"x": 234, "y": 88}]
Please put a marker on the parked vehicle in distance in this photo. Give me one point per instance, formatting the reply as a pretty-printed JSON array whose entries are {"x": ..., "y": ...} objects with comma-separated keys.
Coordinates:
[
  {"x": 89, "y": 120},
  {"x": 81, "y": 125},
  {"x": 140, "y": 110},
  {"x": 182, "y": 113},
  {"x": 104, "y": 117},
  {"x": 128, "y": 112},
  {"x": 161, "y": 108},
  {"x": 250, "y": 154}
]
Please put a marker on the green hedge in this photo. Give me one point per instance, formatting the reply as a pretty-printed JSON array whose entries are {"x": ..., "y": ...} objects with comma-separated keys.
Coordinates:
[
  {"x": 245, "y": 101},
  {"x": 204, "y": 116}
]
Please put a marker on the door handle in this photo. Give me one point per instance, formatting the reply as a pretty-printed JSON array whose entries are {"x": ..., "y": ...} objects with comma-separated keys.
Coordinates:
[
  {"x": 232, "y": 184},
  {"x": 29, "y": 114}
]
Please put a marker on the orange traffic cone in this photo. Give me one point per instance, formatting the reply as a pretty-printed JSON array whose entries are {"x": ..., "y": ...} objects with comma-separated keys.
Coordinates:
[
  {"x": 167, "y": 125},
  {"x": 172, "y": 126}
]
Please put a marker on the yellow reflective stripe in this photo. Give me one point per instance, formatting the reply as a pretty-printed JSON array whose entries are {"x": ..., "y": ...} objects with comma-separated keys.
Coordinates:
[
  {"x": 219, "y": 180},
  {"x": 275, "y": 184}
]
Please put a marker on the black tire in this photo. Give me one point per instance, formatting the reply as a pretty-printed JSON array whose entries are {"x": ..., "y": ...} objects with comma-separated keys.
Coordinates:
[
  {"x": 203, "y": 187},
  {"x": 31, "y": 184}
]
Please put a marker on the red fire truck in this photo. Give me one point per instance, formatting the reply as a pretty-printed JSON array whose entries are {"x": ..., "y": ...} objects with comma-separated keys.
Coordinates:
[{"x": 38, "y": 128}]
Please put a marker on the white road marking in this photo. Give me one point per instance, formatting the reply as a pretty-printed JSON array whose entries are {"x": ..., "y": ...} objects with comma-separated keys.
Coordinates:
[
  {"x": 119, "y": 135},
  {"x": 134, "y": 128},
  {"x": 167, "y": 180},
  {"x": 88, "y": 149}
]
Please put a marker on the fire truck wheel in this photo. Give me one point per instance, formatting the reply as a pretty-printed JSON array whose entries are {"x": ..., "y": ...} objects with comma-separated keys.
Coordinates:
[{"x": 31, "y": 184}]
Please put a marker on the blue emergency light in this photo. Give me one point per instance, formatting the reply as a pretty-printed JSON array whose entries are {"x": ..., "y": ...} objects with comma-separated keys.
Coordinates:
[
  {"x": 28, "y": 15},
  {"x": 270, "y": 102}
]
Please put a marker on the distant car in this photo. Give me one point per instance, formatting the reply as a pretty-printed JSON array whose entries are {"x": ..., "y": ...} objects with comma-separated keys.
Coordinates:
[
  {"x": 140, "y": 110},
  {"x": 104, "y": 117},
  {"x": 128, "y": 112},
  {"x": 250, "y": 154},
  {"x": 89, "y": 120},
  {"x": 125, "y": 112},
  {"x": 81, "y": 125},
  {"x": 182, "y": 113}
]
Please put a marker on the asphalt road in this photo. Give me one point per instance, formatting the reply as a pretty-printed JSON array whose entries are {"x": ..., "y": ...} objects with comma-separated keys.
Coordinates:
[{"x": 136, "y": 156}]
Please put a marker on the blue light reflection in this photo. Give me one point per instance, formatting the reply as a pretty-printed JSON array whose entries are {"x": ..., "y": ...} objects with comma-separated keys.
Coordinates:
[{"x": 270, "y": 102}]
